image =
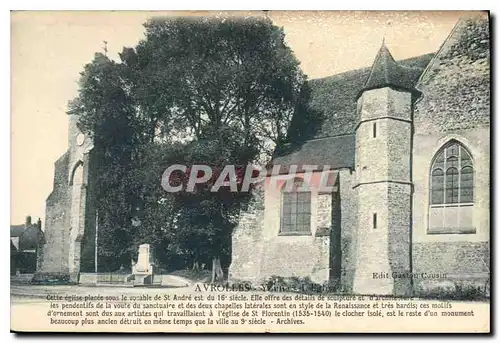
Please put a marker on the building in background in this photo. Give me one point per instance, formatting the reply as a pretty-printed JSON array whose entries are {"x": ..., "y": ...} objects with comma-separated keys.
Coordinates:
[{"x": 25, "y": 240}]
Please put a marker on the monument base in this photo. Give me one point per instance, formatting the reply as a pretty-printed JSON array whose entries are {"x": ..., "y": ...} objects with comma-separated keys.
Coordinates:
[{"x": 143, "y": 279}]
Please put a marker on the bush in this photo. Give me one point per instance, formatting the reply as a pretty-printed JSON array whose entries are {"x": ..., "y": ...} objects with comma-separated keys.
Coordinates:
[
  {"x": 459, "y": 291},
  {"x": 469, "y": 292}
]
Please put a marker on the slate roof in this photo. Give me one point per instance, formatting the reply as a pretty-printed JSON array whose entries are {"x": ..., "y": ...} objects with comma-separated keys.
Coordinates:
[
  {"x": 28, "y": 237},
  {"x": 337, "y": 152},
  {"x": 16, "y": 230},
  {"x": 387, "y": 72},
  {"x": 334, "y": 98}
]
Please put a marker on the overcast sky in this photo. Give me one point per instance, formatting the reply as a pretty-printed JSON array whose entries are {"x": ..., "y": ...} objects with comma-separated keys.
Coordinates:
[{"x": 49, "y": 50}]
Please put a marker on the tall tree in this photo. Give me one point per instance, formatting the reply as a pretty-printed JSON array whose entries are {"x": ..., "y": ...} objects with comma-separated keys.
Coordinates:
[
  {"x": 215, "y": 73},
  {"x": 231, "y": 86},
  {"x": 106, "y": 112},
  {"x": 224, "y": 89}
]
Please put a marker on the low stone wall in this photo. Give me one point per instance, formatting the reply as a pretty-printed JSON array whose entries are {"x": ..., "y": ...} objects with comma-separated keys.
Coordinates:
[
  {"x": 88, "y": 278},
  {"x": 116, "y": 278},
  {"x": 93, "y": 278},
  {"x": 21, "y": 278}
]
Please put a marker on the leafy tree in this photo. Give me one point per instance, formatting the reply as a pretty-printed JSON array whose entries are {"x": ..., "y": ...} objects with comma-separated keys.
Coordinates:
[
  {"x": 215, "y": 91},
  {"x": 210, "y": 74},
  {"x": 107, "y": 112},
  {"x": 228, "y": 85}
]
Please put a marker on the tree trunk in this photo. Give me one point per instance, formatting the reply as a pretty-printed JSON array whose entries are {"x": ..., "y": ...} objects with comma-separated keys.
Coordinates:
[
  {"x": 217, "y": 272},
  {"x": 196, "y": 265}
]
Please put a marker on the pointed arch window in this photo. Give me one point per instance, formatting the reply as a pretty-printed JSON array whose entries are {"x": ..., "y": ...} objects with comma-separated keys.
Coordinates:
[
  {"x": 76, "y": 177},
  {"x": 452, "y": 176},
  {"x": 295, "y": 209},
  {"x": 452, "y": 191}
]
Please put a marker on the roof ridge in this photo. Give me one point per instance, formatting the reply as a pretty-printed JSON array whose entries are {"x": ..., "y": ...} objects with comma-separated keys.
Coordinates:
[
  {"x": 318, "y": 139},
  {"x": 327, "y": 137}
]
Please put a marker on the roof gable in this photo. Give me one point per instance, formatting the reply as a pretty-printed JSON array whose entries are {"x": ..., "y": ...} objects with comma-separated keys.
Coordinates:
[
  {"x": 30, "y": 238},
  {"x": 466, "y": 44}
]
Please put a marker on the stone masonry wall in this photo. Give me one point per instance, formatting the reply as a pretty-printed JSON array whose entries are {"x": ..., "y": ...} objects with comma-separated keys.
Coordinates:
[
  {"x": 348, "y": 227},
  {"x": 324, "y": 211},
  {"x": 383, "y": 185},
  {"x": 55, "y": 256},
  {"x": 247, "y": 241},
  {"x": 455, "y": 104},
  {"x": 372, "y": 242},
  {"x": 259, "y": 252},
  {"x": 303, "y": 255},
  {"x": 66, "y": 214},
  {"x": 456, "y": 86},
  {"x": 456, "y": 262},
  {"x": 87, "y": 256},
  {"x": 399, "y": 219}
]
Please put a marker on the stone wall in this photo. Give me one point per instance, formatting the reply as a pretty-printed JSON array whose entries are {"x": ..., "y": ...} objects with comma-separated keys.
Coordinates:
[
  {"x": 349, "y": 228},
  {"x": 383, "y": 137},
  {"x": 455, "y": 105},
  {"x": 456, "y": 262},
  {"x": 383, "y": 185},
  {"x": 87, "y": 259},
  {"x": 55, "y": 250},
  {"x": 66, "y": 215},
  {"x": 300, "y": 255},
  {"x": 456, "y": 85},
  {"x": 399, "y": 223},
  {"x": 247, "y": 243},
  {"x": 259, "y": 251},
  {"x": 372, "y": 242}
]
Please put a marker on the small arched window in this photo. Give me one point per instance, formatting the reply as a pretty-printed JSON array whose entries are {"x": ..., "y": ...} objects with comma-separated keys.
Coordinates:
[
  {"x": 452, "y": 176},
  {"x": 296, "y": 209}
]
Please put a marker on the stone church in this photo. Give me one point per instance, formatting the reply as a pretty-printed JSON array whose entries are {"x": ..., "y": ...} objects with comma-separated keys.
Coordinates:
[
  {"x": 408, "y": 145},
  {"x": 408, "y": 148}
]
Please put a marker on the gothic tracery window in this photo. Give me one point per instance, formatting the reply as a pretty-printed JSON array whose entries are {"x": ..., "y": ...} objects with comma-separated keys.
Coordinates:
[
  {"x": 452, "y": 176},
  {"x": 296, "y": 209},
  {"x": 452, "y": 191}
]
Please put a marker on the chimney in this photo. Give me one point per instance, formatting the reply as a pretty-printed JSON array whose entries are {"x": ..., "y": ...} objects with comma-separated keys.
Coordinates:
[
  {"x": 28, "y": 221},
  {"x": 39, "y": 223}
]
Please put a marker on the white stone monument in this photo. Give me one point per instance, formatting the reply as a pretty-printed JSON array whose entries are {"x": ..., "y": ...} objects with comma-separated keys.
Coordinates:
[{"x": 143, "y": 270}]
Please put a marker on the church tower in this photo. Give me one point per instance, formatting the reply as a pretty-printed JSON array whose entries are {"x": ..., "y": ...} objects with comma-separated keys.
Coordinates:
[
  {"x": 79, "y": 149},
  {"x": 68, "y": 214},
  {"x": 383, "y": 179}
]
